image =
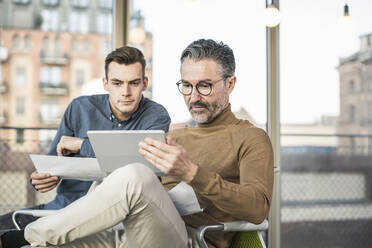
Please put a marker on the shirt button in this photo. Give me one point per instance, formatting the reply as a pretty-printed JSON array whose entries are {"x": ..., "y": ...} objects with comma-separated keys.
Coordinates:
[{"x": 119, "y": 125}]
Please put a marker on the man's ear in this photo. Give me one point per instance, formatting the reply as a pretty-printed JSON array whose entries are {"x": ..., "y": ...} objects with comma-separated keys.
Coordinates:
[
  {"x": 105, "y": 83},
  {"x": 230, "y": 84},
  {"x": 145, "y": 83}
]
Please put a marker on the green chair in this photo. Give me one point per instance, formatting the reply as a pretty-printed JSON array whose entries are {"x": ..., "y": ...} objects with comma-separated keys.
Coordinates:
[{"x": 247, "y": 235}]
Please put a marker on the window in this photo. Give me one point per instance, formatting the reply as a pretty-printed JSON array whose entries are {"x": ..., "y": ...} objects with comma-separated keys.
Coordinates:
[
  {"x": 20, "y": 136},
  {"x": 78, "y": 22},
  {"x": 105, "y": 47},
  {"x": 50, "y": 2},
  {"x": 49, "y": 110},
  {"x": 79, "y": 77},
  {"x": 104, "y": 23},
  {"x": 15, "y": 42},
  {"x": 27, "y": 43},
  {"x": 21, "y": 1},
  {"x": 20, "y": 76},
  {"x": 50, "y": 20},
  {"x": 79, "y": 3},
  {"x": 20, "y": 105},
  {"x": 75, "y": 45},
  {"x": 369, "y": 112},
  {"x": 50, "y": 75},
  {"x": 57, "y": 47},
  {"x": 45, "y": 47},
  {"x": 351, "y": 86},
  {"x": 86, "y": 46},
  {"x": 105, "y": 4},
  {"x": 352, "y": 113}
]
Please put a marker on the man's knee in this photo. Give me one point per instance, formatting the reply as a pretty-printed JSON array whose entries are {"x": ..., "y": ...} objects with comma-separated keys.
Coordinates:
[{"x": 136, "y": 173}]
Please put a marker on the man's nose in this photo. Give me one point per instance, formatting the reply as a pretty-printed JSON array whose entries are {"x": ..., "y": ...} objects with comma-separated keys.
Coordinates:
[
  {"x": 125, "y": 89},
  {"x": 195, "y": 95}
]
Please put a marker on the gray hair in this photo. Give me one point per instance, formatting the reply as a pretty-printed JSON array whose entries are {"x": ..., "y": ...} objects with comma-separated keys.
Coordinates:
[{"x": 210, "y": 49}]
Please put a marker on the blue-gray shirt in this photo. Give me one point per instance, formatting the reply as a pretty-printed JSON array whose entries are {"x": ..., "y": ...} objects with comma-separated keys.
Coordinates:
[{"x": 94, "y": 113}]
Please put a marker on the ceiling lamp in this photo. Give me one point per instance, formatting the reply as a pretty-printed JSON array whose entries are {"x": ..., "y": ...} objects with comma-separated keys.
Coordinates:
[{"x": 272, "y": 16}]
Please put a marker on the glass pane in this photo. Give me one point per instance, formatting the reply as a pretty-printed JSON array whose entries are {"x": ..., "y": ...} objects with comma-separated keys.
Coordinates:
[
  {"x": 163, "y": 29},
  {"x": 326, "y": 133},
  {"x": 43, "y": 44}
]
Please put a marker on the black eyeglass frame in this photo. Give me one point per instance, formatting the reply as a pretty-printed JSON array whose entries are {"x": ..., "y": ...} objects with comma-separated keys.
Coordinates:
[{"x": 210, "y": 84}]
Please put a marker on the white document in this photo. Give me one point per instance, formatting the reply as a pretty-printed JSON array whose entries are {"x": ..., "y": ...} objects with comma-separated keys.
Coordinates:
[
  {"x": 68, "y": 167},
  {"x": 184, "y": 198}
]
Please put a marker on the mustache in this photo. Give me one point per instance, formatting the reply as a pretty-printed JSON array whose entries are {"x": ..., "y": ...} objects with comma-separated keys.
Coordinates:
[{"x": 199, "y": 104}]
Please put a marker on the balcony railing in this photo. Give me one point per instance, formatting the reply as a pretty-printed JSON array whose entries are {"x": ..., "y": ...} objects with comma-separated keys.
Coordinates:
[
  {"x": 53, "y": 59},
  {"x": 3, "y": 87},
  {"x": 48, "y": 88}
]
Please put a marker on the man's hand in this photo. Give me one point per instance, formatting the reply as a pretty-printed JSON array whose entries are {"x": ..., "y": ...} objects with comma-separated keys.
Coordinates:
[
  {"x": 43, "y": 182},
  {"x": 68, "y": 145},
  {"x": 171, "y": 158}
]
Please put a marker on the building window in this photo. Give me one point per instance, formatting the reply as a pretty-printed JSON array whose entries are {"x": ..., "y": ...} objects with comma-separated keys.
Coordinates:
[
  {"x": 105, "y": 4},
  {"x": 78, "y": 22},
  {"x": 50, "y": 2},
  {"x": 79, "y": 3},
  {"x": 57, "y": 47},
  {"x": 50, "y": 20},
  {"x": 21, "y": 1},
  {"x": 104, "y": 23},
  {"x": 27, "y": 43},
  {"x": 86, "y": 46},
  {"x": 351, "y": 86},
  {"x": 74, "y": 46},
  {"x": 20, "y": 105},
  {"x": 15, "y": 42},
  {"x": 45, "y": 48},
  {"x": 49, "y": 110},
  {"x": 20, "y": 136},
  {"x": 105, "y": 47},
  {"x": 352, "y": 113},
  {"x": 79, "y": 77},
  {"x": 50, "y": 75},
  {"x": 370, "y": 112},
  {"x": 20, "y": 76}
]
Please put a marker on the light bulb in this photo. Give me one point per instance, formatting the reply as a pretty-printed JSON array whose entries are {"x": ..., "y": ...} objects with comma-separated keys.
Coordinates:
[
  {"x": 137, "y": 36},
  {"x": 272, "y": 16}
]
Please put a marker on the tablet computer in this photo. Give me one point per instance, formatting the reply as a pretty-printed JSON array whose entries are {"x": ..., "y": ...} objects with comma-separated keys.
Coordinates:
[{"x": 117, "y": 148}]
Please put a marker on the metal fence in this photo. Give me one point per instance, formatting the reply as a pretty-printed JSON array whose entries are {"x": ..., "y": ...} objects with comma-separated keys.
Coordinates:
[
  {"x": 15, "y": 166},
  {"x": 326, "y": 191}
]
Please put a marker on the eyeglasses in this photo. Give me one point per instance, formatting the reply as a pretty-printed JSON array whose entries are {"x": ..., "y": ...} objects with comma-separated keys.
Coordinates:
[{"x": 204, "y": 88}]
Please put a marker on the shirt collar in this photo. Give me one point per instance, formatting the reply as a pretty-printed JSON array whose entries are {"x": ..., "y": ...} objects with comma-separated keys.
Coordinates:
[
  {"x": 226, "y": 117},
  {"x": 113, "y": 118}
]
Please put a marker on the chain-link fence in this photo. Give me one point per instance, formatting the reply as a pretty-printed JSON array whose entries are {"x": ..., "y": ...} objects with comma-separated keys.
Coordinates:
[
  {"x": 15, "y": 167},
  {"x": 326, "y": 192}
]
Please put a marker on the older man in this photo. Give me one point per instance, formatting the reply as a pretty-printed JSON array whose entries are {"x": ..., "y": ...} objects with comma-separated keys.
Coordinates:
[{"x": 227, "y": 161}]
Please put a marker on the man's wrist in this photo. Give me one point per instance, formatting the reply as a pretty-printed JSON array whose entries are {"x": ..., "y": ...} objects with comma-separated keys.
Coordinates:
[{"x": 191, "y": 174}]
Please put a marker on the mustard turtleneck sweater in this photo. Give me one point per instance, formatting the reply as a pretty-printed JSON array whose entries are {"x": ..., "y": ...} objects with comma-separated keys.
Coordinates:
[{"x": 234, "y": 180}]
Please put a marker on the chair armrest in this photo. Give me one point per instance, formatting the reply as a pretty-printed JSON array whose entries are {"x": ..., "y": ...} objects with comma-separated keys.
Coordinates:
[
  {"x": 35, "y": 213},
  {"x": 241, "y": 226},
  {"x": 234, "y": 226}
]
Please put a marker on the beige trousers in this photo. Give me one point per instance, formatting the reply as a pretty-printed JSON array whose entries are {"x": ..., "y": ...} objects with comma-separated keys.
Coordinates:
[{"x": 132, "y": 195}]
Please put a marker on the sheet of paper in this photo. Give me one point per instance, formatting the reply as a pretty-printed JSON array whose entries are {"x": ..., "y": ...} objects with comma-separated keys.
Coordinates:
[
  {"x": 184, "y": 198},
  {"x": 68, "y": 167}
]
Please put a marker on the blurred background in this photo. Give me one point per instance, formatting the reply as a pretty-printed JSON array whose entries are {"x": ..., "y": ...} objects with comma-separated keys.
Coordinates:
[{"x": 52, "y": 51}]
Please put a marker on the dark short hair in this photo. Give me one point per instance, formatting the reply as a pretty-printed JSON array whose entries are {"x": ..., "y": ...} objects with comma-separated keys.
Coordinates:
[
  {"x": 210, "y": 49},
  {"x": 125, "y": 55}
]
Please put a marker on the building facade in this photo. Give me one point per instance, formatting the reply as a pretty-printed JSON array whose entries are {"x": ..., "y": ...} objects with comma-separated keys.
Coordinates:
[
  {"x": 355, "y": 120},
  {"x": 50, "y": 50}
]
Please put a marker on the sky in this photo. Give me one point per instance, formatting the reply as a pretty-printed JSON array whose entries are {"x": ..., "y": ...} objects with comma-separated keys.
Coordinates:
[{"x": 312, "y": 39}]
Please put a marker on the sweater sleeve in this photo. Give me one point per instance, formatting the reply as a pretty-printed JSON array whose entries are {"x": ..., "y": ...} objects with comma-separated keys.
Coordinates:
[{"x": 250, "y": 199}]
